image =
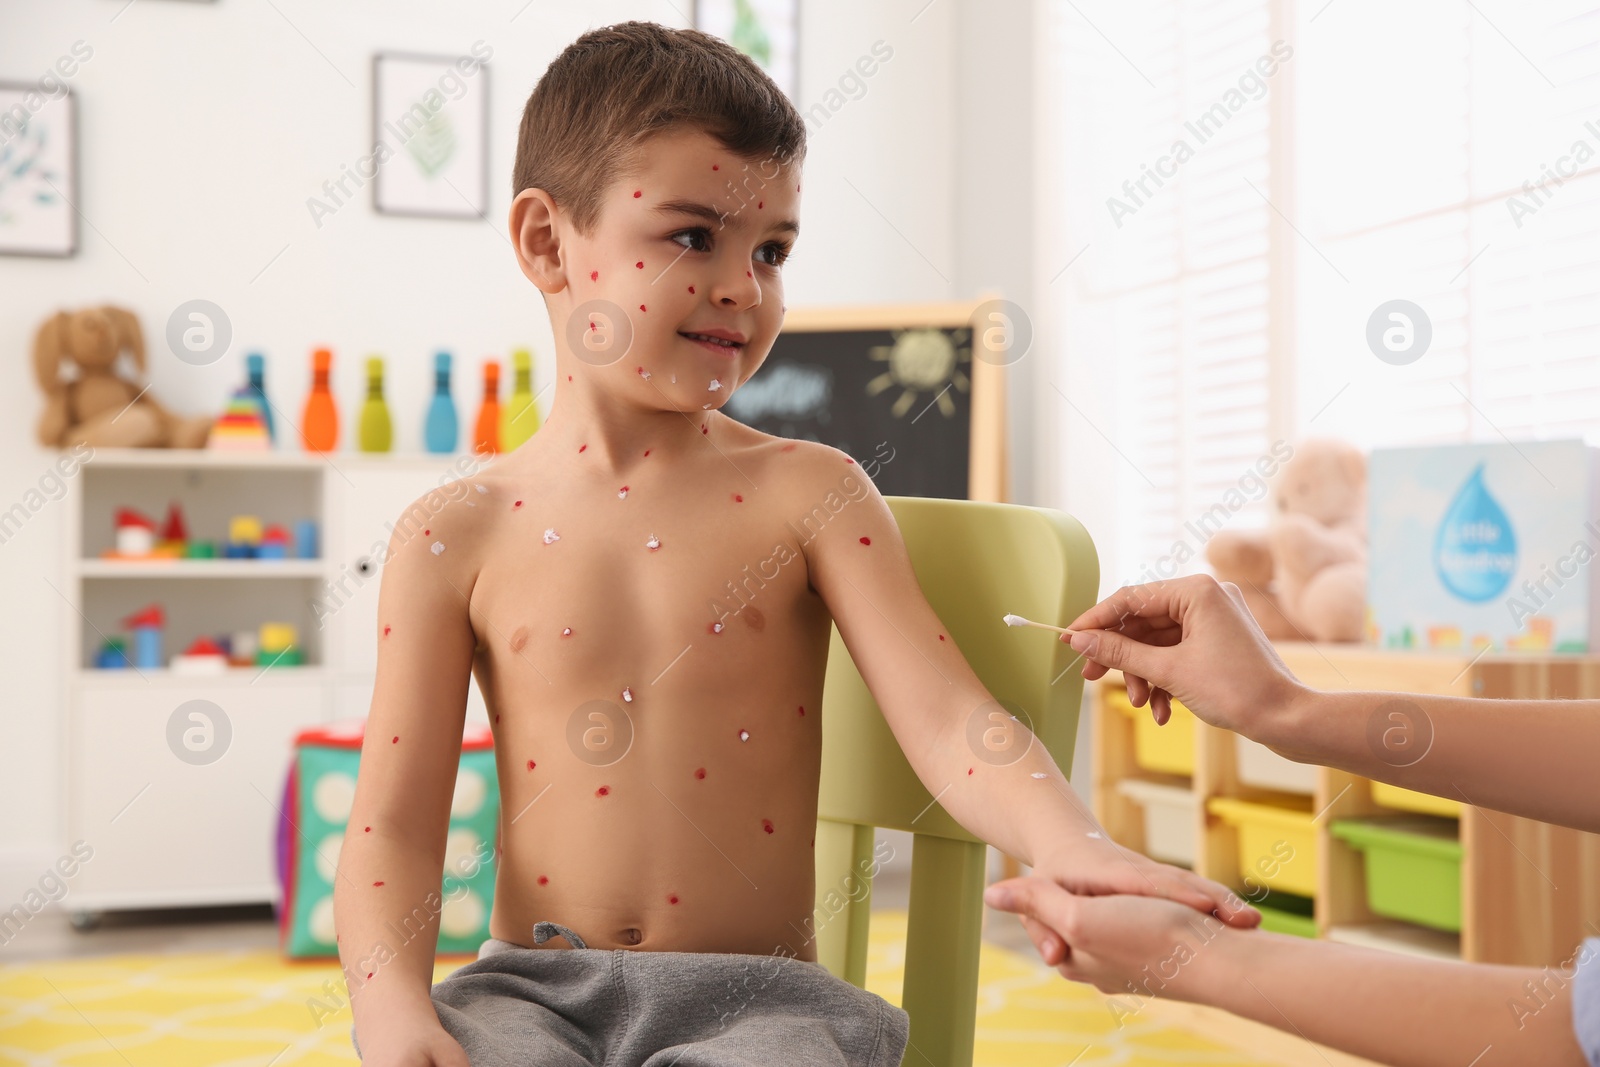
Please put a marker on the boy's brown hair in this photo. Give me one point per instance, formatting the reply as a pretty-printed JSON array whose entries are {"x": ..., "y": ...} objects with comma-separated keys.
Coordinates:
[{"x": 616, "y": 86}]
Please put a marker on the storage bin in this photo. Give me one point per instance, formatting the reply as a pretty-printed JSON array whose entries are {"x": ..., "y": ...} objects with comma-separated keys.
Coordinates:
[
  {"x": 1413, "y": 867},
  {"x": 1393, "y": 796},
  {"x": 1169, "y": 819},
  {"x": 1165, "y": 749},
  {"x": 1277, "y": 842},
  {"x": 1259, "y": 766},
  {"x": 1286, "y": 913}
]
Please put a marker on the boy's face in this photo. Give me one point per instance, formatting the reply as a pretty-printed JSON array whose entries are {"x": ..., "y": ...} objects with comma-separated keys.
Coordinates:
[{"x": 692, "y": 243}]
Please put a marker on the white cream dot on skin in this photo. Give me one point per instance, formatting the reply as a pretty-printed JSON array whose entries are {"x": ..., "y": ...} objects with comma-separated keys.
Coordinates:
[
  {"x": 744, "y": 735},
  {"x": 644, "y": 374},
  {"x": 1040, "y": 774},
  {"x": 1094, "y": 834},
  {"x": 622, "y": 494},
  {"x": 438, "y": 547},
  {"x": 627, "y": 694},
  {"x": 654, "y": 543},
  {"x": 567, "y": 632},
  {"x": 551, "y": 535},
  {"x": 480, "y": 488},
  {"x": 716, "y": 627},
  {"x": 714, "y": 386}
]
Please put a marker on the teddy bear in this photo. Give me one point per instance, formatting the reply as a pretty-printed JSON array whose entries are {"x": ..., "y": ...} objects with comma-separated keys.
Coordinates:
[
  {"x": 1305, "y": 576},
  {"x": 98, "y": 407}
]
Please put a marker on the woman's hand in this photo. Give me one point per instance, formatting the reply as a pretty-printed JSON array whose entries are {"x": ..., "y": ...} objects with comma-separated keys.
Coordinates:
[{"x": 1191, "y": 638}]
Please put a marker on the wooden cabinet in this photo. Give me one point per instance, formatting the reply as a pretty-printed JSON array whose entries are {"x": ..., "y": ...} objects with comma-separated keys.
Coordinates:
[{"x": 1529, "y": 891}]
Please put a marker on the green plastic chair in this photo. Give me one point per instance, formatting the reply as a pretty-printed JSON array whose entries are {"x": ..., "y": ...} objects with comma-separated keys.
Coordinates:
[{"x": 976, "y": 562}]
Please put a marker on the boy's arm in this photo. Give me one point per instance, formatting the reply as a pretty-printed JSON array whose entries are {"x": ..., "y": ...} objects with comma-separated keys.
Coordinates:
[
  {"x": 934, "y": 703},
  {"x": 1388, "y": 1007},
  {"x": 391, "y": 863}
]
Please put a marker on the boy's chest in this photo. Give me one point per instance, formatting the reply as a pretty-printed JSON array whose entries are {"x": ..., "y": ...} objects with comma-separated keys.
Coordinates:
[{"x": 629, "y": 585}]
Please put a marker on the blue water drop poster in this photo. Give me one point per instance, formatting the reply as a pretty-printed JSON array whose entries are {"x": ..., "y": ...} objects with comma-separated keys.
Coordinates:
[{"x": 1475, "y": 549}]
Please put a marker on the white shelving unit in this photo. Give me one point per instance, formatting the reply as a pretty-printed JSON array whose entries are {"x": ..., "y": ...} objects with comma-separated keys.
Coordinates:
[{"x": 165, "y": 831}]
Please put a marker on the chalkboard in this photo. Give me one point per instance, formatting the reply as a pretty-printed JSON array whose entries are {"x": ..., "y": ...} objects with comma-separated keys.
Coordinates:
[{"x": 895, "y": 388}]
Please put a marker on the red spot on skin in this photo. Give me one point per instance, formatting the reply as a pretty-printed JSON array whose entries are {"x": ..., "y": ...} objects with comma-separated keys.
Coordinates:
[
  {"x": 647, "y": 451},
  {"x": 569, "y": 377},
  {"x": 760, "y": 204},
  {"x": 766, "y": 824},
  {"x": 425, "y": 533},
  {"x": 969, "y": 770},
  {"x": 714, "y": 166},
  {"x": 497, "y": 717},
  {"x": 738, "y": 499},
  {"x": 594, "y": 276},
  {"x": 849, "y": 461},
  {"x": 582, "y": 447},
  {"x": 788, "y": 448},
  {"x": 802, "y": 709},
  {"x": 369, "y": 974},
  {"x": 624, "y": 489},
  {"x": 637, "y": 193},
  {"x": 369, "y": 830},
  {"x": 604, "y": 790},
  {"x": 386, "y": 630},
  {"x": 641, "y": 307},
  {"x": 941, "y": 637},
  {"x": 747, "y": 274},
  {"x": 640, "y": 264},
  {"x": 691, "y": 288},
  {"x": 517, "y": 504},
  {"x": 673, "y": 899},
  {"x": 544, "y": 880},
  {"x": 395, "y": 740},
  {"x": 704, "y": 430},
  {"x": 377, "y": 883},
  {"x": 700, "y": 772},
  {"x": 797, "y": 188},
  {"x": 866, "y": 540},
  {"x": 532, "y": 765}
]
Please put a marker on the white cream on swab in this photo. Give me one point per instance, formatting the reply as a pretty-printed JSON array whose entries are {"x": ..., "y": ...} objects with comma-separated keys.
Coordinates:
[{"x": 1018, "y": 620}]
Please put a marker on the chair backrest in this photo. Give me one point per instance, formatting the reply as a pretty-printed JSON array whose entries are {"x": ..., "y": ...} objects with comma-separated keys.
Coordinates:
[{"x": 975, "y": 562}]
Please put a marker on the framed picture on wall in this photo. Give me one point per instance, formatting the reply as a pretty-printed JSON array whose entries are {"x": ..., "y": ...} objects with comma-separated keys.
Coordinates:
[
  {"x": 768, "y": 31},
  {"x": 38, "y": 171},
  {"x": 430, "y": 135}
]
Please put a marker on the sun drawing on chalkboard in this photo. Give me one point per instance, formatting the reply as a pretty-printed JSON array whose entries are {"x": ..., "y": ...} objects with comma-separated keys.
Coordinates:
[{"x": 923, "y": 360}]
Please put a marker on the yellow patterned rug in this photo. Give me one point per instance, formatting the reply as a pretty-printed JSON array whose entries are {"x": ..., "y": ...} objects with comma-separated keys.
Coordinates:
[{"x": 255, "y": 1009}]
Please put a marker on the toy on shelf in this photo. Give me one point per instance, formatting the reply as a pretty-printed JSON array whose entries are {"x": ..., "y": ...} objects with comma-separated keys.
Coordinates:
[
  {"x": 174, "y": 531},
  {"x": 317, "y": 797},
  {"x": 99, "y": 407},
  {"x": 256, "y": 369},
  {"x": 243, "y": 425},
  {"x": 319, "y": 426},
  {"x": 441, "y": 429},
  {"x": 274, "y": 543},
  {"x": 200, "y": 550},
  {"x": 277, "y": 645},
  {"x": 146, "y": 625},
  {"x": 136, "y": 534},
  {"x": 203, "y": 656},
  {"x": 486, "y": 435},
  {"x": 113, "y": 654},
  {"x": 521, "y": 418},
  {"x": 374, "y": 433},
  {"x": 242, "y": 648},
  {"x": 305, "y": 539},
  {"x": 244, "y": 536}
]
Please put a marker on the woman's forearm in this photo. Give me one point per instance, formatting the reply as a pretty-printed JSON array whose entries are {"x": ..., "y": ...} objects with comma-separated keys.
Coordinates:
[
  {"x": 1533, "y": 758},
  {"x": 1391, "y": 1008}
]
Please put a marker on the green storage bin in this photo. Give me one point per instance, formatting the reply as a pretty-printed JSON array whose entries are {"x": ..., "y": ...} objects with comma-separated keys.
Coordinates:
[
  {"x": 1287, "y": 913},
  {"x": 1413, "y": 867}
]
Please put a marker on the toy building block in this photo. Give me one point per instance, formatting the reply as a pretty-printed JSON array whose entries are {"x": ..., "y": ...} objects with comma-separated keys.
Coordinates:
[
  {"x": 146, "y": 625},
  {"x": 136, "y": 534},
  {"x": 244, "y": 537},
  {"x": 274, "y": 543},
  {"x": 243, "y": 425},
  {"x": 203, "y": 656},
  {"x": 278, "y": 645}
]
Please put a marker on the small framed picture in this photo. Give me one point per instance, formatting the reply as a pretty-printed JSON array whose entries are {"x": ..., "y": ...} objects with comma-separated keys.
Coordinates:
[
  {"x": 768, "y": 31},
  {"x": 430, "y": 134},
  {"x": 38, "y": 171}
]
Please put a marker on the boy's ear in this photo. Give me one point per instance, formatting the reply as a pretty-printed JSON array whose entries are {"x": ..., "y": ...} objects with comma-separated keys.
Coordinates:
[{"x": 538, "y": 244}]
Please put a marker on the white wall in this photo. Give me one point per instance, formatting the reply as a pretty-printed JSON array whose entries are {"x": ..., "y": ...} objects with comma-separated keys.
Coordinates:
[{"x": 204, "y": 128}]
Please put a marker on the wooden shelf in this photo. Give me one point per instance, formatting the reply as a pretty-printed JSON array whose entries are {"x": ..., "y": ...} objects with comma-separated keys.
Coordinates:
[
  {"x": 1525, "y": 900},
  {"x": 202, "y": 568}
]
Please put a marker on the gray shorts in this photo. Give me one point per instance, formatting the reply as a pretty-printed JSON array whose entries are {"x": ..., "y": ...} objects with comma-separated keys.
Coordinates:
[{"x": 591, "y": 1007}]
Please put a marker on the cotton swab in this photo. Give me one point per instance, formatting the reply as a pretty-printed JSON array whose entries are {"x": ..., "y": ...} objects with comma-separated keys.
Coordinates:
[{"x": 1018, "y": 620}]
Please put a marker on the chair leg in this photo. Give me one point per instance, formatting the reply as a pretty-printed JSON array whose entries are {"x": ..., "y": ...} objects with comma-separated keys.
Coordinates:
[
  {"x": 942, "y": 941},
  {"x": 843, "y": 898}
]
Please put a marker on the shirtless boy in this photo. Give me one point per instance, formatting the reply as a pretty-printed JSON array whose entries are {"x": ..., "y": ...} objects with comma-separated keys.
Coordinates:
[{"x": 656, "y": 705}]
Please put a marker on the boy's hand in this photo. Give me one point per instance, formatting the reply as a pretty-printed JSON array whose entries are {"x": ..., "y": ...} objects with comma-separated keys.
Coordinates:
[
  {"x": 1120, "y": 944},
  {"x": 1190, "y": 638},
  {"x": 1100, "y": 867},
  {"x": 410, "y": 1040}
]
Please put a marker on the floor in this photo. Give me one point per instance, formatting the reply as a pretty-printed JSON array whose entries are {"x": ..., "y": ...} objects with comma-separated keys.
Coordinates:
[{"x": 1028, "y": 1015}]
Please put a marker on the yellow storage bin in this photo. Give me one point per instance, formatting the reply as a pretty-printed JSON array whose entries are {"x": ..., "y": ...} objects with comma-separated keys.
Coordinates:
[
  {"x": 1165, "y": 749},
  {"x": 1277, "y": 842},
  {"x": 1393, "y": 796}
]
